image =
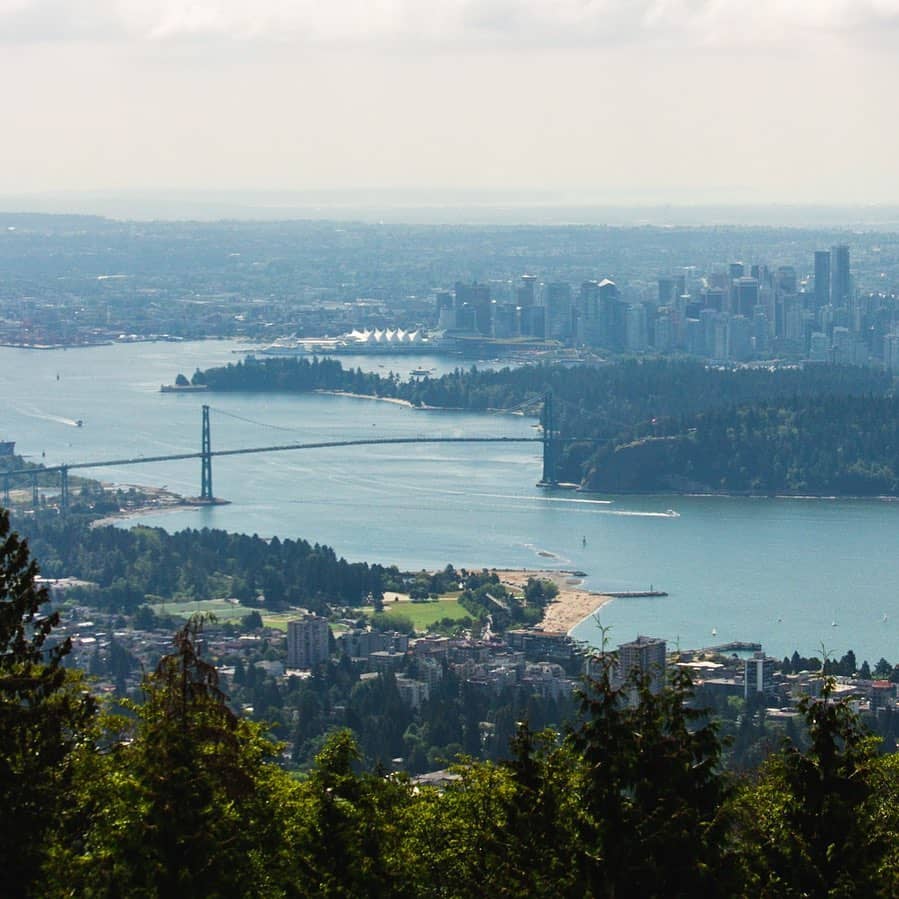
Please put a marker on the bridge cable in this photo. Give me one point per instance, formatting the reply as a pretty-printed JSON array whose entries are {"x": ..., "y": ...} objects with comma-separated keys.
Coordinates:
[{"x": 253, "y": 421}]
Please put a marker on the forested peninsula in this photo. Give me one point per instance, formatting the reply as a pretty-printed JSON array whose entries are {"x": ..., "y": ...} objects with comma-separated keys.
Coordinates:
[{"x": 675, "y": 426}]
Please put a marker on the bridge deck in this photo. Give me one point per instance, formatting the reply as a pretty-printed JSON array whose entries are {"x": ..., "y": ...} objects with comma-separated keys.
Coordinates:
[{"x": 176, "y": 457}]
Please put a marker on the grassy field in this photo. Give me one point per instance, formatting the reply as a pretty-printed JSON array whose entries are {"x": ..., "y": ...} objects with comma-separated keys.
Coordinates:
[
  {"x": 423, "y": 614},
  {"x": 223, "y": 611},
  {"x": 221, "y": 608},
  {"x": 279, "y": 620}
]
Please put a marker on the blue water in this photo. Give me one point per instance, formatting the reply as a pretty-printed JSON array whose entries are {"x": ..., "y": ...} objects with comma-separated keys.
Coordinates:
[{"x": 792, "y": 574}]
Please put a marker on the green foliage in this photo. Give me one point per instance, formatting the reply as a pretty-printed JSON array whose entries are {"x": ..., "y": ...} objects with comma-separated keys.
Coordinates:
[
  {"x": 129, "y": 565},
  {"x": 393, "y": 621},
  {"x": 811, "y": 824},
  {"x": 822, "y": 445},
  {"x": 652, "y": 793},
  {"x": 186, "y": 803},
  {"x": 540, "y": 591},
  {"x": 252, "y": 621},
  {"x": 670, "y": 425},
  {"x": 350, "y": 838},
  {"x": 182, "y": 798},
  {"x": 44, "y": 716}
]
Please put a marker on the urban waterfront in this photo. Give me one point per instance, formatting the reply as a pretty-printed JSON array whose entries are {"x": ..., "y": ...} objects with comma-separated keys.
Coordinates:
[{"x": 792, "y": 574}]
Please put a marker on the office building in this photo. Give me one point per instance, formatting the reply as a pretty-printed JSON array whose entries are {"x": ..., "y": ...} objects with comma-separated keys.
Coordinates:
[
  {"x": 662, "y": 333},
  {"x": 715, "y": 298},
  {"x": 739, "y": 338},
  {"x": 587, "y": 314},
  {"x": 840, "y": 280},
  {"x": 636, "y": 327},
  {"x": 505, "y": 320},
  {"x": 532, "y": 322},
  {"x": 557, "y": 301},
  {"x": 819, "y": 347},
  {"x": 746, "y": 296},
  {"x": 822, "y": 278},
  {"x": 307, "y": 641},
  {"x": 786, "y": 279},
  {"x": 695, "y": 336},
  {"x": 843, "y": 346},
  {"x": 446, "y": 314},
  {"x": 760, "y": 331},
  {"x": 612, "y": 316},
  {"x": 527, "y": 292},
  {"x": 473, "y": 301},
  {"x": 667, "y": 291}
]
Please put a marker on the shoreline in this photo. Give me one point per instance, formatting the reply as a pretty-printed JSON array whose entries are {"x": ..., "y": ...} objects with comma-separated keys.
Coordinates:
[
  {"x": 323, "y": 391},
  {"x": 367, "y": 396},
  {"x": 573, "y": 603},
  {"x": 162, "y": 501}
]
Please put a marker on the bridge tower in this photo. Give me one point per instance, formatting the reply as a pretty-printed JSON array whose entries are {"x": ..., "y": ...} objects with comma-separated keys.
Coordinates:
[
  {"x": 206, "y": 460},
  {"x": 64, "y": 488},
  {"x": 550, "y": 438}
]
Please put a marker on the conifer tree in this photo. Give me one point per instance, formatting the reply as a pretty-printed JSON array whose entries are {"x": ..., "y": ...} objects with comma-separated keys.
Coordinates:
[{"x": 43, "y": 715}]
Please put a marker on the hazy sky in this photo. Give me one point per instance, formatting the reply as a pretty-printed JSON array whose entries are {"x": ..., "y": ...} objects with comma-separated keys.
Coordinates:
[{"x": 650, "y": 100}]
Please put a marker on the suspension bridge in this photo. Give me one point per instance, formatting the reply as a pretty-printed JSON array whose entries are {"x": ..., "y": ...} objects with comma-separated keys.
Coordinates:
[{"x": 550, "y": 439}]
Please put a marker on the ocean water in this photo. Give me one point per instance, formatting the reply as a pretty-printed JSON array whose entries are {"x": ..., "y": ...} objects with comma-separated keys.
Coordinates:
[{"x": 789, "y": 573}]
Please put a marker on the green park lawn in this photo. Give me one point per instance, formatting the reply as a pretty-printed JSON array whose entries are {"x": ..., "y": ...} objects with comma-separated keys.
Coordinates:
[
  {"x": 223, "y": 611},
  {"x": 423, "y": 614},
  {"x": 221, "y": 608}
]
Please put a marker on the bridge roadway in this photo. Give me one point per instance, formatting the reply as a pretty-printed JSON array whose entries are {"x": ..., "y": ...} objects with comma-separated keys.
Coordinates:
[{"x": 176, "y": 457}]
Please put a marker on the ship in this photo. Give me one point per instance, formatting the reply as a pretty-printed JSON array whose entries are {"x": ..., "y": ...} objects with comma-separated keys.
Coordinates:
[{"x": 7, "y": 447}]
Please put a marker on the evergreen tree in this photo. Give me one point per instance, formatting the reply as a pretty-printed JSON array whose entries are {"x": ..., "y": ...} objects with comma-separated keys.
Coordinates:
[
  {"x": 651, "y": 792},
  {"x": 184, "y": 802},
  {"x": 43, "y": 716},
  {"x": 809, "y": 821}
]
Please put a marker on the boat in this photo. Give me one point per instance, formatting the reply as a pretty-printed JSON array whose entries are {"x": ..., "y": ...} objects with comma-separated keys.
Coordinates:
[
  {"x": 7, "y": 447},
  {"x": 670, "y": 513},
  {"x": 78, "y": 423}
]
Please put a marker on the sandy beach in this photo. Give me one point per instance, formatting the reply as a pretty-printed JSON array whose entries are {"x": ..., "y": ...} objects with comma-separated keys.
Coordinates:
[
  {"x": 570, "y": 607},
  {"x": 367, "y": 396}
]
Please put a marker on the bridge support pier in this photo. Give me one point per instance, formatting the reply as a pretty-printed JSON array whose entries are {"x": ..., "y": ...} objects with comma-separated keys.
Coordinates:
[
  {"x": 206, "y": 460},
  {"x": 550, "y": 437},
  {"x": 64, "y": 488},
  {"x": 35, "y": 496},
  {"x": 6, "y": 490}
]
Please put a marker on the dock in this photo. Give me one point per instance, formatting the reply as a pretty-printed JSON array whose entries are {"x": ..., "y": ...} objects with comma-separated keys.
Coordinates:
[{"x": 633, "y": 594}]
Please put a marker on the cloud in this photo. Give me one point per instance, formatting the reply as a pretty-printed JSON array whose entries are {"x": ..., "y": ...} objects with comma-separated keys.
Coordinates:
[{"x": 504, "y": 23}]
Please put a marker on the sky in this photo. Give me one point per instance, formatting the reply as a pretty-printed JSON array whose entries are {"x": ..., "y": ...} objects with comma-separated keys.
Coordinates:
[{"x": 631, "y": 101}]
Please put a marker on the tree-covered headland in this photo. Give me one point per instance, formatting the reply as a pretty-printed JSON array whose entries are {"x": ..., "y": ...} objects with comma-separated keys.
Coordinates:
[{"x": 659, "y": 425}]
